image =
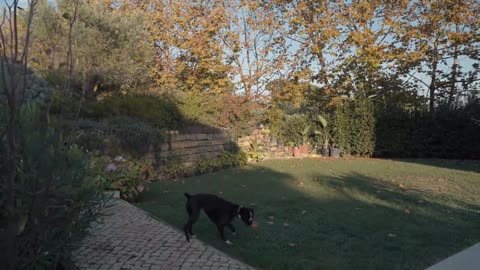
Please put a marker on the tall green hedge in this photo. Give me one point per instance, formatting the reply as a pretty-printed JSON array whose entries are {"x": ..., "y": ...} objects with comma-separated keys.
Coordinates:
[
  {"x": 451, "y": 133},
  {"x": 353, "y": 123}
]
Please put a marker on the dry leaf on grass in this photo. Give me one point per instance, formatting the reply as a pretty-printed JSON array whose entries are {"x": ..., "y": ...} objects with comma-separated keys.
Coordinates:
[
  {"x": 392, "y": 235},
  {"x": 292, "y": 244},
  {"x": 270, "y": 222}
]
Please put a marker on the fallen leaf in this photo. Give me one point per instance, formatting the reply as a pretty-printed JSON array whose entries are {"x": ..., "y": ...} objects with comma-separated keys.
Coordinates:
[
  {"x": 270, "y": 222},
  {"x": 243, "y": 186},
  {"x": 292, "y": 244},
  {"x": 407, "y": 211},
  {"x": 300, "y": 184},
  {"x": 304, "y": 212},
  {"x": 400, "y": 186},
  {"x": 392, "y": 235},
  {"x": 286, "y": 224},
  {"x": 271, "y": 217},
  {"x": 220, "y": 192}
]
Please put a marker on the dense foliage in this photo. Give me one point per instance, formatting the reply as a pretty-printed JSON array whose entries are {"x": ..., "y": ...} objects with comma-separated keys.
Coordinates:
[
  {"x": 354, "y": 125},
  {"x": 451, "y": 134},
  {"x": 57, "y": 195}
]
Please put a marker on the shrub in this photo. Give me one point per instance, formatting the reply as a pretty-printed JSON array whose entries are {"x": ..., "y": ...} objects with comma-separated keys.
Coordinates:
[
  {"x": 354, "y": 124},
  {"x": 173, "y": 168},
  {"x": 114, "y": 136},
  {"x": 56, "y": 195},
  {"x": 452, "y": 133},
  {"x": 226, "y": 160},
  {"x": 254, "y": 153},
  {"x": 131, "y": 179},
  {"x": 158, "y": 111},
  {"x": 292, "y": 129}
]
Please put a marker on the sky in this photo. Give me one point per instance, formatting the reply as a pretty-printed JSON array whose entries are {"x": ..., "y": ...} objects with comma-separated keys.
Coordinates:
[{"x": 21, "y": 3}]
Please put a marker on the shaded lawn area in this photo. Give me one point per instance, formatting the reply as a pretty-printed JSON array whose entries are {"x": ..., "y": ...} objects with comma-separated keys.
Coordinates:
[{"x": 344, "y": 214}]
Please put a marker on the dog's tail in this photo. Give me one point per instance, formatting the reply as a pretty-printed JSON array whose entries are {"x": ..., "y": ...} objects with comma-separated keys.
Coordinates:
[{"x": 187, "y": 195}]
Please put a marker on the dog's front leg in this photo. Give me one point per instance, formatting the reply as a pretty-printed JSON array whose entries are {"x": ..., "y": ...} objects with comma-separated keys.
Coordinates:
[{"x": 222, "y": 234}]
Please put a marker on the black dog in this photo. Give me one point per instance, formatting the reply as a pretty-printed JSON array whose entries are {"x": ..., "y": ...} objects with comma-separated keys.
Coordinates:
[{"x": 220, "y": 211}]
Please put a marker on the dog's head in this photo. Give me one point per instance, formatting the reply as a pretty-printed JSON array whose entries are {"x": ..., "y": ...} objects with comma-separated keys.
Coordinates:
[{"x": 246, "y": 215}]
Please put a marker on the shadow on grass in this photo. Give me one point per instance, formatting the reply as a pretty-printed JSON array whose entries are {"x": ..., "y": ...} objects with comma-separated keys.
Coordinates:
[{"x": 351, "y": 221}]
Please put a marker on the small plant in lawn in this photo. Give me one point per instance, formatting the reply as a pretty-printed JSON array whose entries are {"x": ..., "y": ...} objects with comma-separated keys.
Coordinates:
[
  {"x": 254, "y": 154},
  {"x": 324, "y": 134}
]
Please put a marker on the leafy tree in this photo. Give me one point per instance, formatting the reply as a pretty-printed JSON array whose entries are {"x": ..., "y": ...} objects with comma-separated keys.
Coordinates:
[{"x": 109, "y": 48}]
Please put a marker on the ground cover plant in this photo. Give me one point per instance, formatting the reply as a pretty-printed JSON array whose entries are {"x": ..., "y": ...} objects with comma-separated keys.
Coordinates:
[{"x": 344, "y": 214}]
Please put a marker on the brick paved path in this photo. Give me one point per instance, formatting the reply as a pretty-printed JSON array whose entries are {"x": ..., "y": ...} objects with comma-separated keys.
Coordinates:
[{"x": 128, "y": 238}]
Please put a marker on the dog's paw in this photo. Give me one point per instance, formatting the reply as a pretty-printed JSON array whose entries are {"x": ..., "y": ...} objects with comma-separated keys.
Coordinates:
[{"x": 228, "y": 242}]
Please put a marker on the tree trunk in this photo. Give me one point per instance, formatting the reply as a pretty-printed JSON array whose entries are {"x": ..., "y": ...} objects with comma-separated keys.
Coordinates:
[
  {"x": 453, "y": 79},
  {"x": 89, "y": 83},
  {"x": 432, "y": 86},
  {"x": 68, "y": 81}
]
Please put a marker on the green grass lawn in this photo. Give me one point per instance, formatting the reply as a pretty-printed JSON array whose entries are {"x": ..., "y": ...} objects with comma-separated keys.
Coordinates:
[{"x": 344, "y": 214}]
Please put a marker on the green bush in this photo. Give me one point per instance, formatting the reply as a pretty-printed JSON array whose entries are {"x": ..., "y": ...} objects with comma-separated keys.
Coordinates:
[
  {"x": 158, "y": 111},
  {"x": 117, "y": 135},
  {"x": 131, "y": 178},
  {"x": 292, "y": 128},
  {"x": 452, "y": 133},
  {"x": 56, "y": 192},
  {"x": 354, "y": 125},
  {"x": 173, "y": 168},
  {"x": 226, "y": 160},
  {"x": 254, "y": 153}
]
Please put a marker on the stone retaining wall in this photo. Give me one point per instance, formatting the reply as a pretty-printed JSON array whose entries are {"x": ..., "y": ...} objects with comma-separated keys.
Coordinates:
[
  {"x": 191, "y": 148},
  {"x": 267, "y": 145}
]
